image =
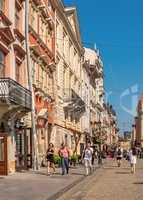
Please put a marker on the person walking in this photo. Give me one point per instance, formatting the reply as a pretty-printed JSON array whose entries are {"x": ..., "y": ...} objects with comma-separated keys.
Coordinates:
[
  {"x": 88, "y": 152},
  {"x": 64, "y": 154},
  {"x": 50, "y": 158},
  {"x": 119, "y": 155},
  {"x": 133, "y": 159}
]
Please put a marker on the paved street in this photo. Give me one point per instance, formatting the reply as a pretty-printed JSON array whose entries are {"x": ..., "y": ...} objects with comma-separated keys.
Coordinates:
[
  {"x": 110, "y": 183},
  {"x": 107, "y": 183},
  {"x": 37, "y": 186}
]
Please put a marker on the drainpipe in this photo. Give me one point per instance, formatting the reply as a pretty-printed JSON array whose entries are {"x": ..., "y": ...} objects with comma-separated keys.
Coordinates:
[{"x": 35, "y": 154}]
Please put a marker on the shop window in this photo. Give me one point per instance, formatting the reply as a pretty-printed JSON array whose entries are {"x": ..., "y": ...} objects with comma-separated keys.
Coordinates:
[
  {"x": 1, "y": 148},
  {"x": 2, "y": 64}
]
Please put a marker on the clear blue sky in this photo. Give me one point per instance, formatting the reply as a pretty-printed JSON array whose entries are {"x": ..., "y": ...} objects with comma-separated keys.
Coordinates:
[{"x": 117, "y": 29}]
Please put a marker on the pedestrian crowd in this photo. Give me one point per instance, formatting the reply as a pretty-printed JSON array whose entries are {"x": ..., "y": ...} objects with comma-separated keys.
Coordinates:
[
  {"x": 130, "y": 155},
  {"x": 89, "y": 155},
  {"x": 88, "y": 158}
]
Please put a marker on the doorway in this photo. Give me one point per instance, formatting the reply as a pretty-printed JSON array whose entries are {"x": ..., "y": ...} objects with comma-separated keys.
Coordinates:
[
  {"x": 3, "y": 155},
  {"x": 23, "y": 149}
]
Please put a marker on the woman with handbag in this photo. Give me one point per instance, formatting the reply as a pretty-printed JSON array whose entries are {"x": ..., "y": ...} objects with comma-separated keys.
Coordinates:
[{"x": 50, "y": 158}]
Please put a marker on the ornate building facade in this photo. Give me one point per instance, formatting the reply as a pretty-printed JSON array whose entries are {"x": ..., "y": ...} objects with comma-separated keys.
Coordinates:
[
  {"x": 42, "y": 53},
  {"x": 15, "y": 98},
  {"x": 67, "y": 81},
  {"x": 70, "y": 105},
  {"x": 94, "y": 67}
]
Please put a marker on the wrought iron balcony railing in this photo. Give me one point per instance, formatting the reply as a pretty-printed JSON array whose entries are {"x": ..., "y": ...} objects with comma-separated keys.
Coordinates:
[
  {"x": 73, "y": 102},
  {"x": 13, "y": 93}
]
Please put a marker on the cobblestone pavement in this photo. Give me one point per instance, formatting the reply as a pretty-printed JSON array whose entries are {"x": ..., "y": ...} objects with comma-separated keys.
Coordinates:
[{"x": 110, "y": 183}]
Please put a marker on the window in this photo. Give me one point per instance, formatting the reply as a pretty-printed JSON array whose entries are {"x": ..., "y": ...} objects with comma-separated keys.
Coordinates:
[
  {"x": 17, "y": 72},
  {"x": 1, "y": 148},
  {"x": 2, "y": 4},
  {"x": 70, "y": 81},
  {"x": 33, "y": 64},
  {"x": 64, "y": 81},
  {"x": 32, "y": 20},
  {"x": 2, "y": 62},
  {"x": 49, "y": 38},
  {"x": 49, "y": 5},
  {"x": 64, "y": 44},
  {"x": 17, "y": 18},
  {"x": 41, "y": 76},
  {"x": 41, "y": 28}
]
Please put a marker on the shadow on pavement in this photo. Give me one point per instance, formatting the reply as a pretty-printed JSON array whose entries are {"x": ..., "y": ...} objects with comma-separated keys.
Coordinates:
[
  {"x": 74, "y": 173},
  {"x": 138, "y": 183},
  {"x": 123, "y": 172}
]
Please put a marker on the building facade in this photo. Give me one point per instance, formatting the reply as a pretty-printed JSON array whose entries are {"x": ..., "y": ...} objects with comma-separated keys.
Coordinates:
[
  {"x": 67, "y": 81},
  {"x": 15, "y": 98},
  {"x": 70, "y": 105},
  {"x": 94, "y": 68},
  {"x": 111, "y": 126},
  {"x": 138, "y": 126},
  {"x": 42, "y": 54}
]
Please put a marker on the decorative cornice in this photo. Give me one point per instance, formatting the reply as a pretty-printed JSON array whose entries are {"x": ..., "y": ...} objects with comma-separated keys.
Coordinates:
[{"x": 60, "y": 10}]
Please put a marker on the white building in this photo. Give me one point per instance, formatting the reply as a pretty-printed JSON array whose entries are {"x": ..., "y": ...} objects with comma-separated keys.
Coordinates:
[{"x": 94, "y": 67}]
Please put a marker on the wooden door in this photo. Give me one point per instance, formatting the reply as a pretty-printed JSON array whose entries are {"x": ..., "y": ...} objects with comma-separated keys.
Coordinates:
[{"x": 3, "y": 155}]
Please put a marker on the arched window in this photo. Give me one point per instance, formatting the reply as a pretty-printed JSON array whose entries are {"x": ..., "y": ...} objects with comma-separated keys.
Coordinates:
[{"x": 2, "y": 64}]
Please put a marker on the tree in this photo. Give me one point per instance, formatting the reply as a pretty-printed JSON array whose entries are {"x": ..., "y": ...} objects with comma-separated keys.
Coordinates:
[{"x": 77, "y": 137}]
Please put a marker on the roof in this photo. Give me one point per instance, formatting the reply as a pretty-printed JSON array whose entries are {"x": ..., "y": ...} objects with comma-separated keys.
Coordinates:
[
  {"x": 90, "y": 55},
  {"x": 72, "y": 11}
]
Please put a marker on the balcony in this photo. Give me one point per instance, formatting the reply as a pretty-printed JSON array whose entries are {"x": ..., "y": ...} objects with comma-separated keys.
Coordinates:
[
  {"x": 73, "y": 103},
  {"x": 13, "y": 94},
  {"x": 93, "y": 63},
  {"x": 94, "y": 70}
]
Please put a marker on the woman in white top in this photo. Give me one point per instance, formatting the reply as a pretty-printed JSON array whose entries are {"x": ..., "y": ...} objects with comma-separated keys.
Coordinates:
[
  {"x": 133, "y": 159},
  {"x": 88, "y": 159}
]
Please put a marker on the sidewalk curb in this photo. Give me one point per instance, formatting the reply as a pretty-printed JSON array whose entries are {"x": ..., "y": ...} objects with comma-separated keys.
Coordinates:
[{"x": 70, "y": 186}]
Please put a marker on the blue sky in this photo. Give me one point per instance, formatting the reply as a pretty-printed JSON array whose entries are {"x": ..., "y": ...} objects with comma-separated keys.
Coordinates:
[{"x": 117, "y": 29}]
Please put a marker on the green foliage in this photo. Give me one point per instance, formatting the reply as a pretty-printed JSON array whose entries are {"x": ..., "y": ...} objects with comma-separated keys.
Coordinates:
[
  {"x": 74, "y": 158},
  {"x": 57, "y": 159}
]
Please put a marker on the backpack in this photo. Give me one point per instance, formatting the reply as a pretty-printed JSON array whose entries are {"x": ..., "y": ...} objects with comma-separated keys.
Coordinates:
[
  {"x": 134, "y": 152},
  {"x": 119, "y": 153}
]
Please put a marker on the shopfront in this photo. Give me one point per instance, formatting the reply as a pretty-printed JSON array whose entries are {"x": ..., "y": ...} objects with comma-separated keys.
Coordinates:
[
  {"x": 23, "y": 149},
  {"x": 3, "y": 155}
]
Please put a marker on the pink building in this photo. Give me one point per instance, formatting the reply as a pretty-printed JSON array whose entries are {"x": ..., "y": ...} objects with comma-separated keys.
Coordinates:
[{"x": 15, "y": 98}]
